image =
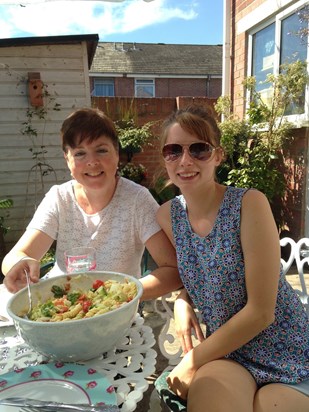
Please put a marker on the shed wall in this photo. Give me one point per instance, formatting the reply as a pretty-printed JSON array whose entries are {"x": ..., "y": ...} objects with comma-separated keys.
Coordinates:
[{"x": 63, "y": 69}]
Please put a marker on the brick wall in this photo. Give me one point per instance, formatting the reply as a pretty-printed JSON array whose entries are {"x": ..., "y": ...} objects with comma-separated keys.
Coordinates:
[
  {"x": 148, "y": 110},
  {"x": 124, "y": 86},
  {"x": 294, "y": 204},
  {"x": 188, "y": 87},
  {"x": 170, "y": 87}
]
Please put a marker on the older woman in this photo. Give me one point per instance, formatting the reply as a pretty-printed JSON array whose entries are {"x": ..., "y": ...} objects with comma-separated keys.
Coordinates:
[{"x": 96, "y": 208}]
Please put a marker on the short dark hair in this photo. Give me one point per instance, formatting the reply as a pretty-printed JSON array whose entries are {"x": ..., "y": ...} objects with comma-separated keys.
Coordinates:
[{"x": 87, "y": 124}]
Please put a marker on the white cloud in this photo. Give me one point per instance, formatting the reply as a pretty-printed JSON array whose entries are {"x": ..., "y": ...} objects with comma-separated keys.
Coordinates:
[
  {"x": 51, "y": 18},
  {"x": 156, "y": 12}
]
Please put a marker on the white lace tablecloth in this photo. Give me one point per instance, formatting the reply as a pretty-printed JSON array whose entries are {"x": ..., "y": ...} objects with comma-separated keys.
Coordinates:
[{"x": 127, "y": 366}]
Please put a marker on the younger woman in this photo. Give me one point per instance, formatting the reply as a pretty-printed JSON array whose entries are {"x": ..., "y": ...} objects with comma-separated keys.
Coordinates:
[{"x": 256, "y": 353}]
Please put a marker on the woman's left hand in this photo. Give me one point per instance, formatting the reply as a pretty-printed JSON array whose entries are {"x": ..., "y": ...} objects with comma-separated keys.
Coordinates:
[
  {"x": 186, "y": 322},
  {"x": 180, "y": 378}
]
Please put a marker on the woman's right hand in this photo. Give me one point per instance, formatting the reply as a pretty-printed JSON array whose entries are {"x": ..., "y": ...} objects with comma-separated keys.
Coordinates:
[
  {"x": 186, "y": 321},
  {"x": 15, "y": 279}
]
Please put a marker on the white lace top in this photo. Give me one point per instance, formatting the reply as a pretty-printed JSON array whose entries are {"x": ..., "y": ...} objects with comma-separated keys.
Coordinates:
[{"x": 118, "y": 232}]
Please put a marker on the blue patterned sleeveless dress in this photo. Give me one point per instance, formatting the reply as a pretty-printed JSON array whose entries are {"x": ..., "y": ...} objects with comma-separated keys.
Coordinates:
[{"x": 212, "y": 271}]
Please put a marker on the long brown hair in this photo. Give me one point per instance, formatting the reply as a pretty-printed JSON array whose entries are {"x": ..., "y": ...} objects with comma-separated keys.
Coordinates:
[{"x": 195, "y": 120}]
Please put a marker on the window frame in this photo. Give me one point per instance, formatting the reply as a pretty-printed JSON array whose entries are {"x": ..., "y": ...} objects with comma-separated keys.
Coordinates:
[
  {"x": 299, "y": 120},
  {"x": 138, "y": 82}
]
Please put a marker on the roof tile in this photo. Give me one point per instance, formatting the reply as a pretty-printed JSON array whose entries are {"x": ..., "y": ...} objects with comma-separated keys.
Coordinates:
[{"x": 157, "y": 58}]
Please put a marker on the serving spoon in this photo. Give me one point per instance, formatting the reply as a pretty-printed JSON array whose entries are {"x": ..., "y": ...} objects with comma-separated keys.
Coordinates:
[{"x": 29, "y": 295}]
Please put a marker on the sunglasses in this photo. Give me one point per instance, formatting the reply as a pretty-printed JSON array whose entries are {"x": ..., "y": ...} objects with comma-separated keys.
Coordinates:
[{"x": 199, "y": 151}]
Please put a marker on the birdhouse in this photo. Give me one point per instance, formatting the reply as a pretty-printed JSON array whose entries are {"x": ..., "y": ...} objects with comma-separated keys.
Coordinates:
[{"x": 35, "y": 86}]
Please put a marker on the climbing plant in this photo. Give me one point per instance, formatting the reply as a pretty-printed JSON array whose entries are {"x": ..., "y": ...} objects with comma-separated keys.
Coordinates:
[
  {"x": 35, "y": 117},
  {"x": 33, "y": 127}
]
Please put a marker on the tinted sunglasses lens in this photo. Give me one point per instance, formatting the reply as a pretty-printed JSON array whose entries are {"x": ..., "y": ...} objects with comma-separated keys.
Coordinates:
[
  {"x": 201, "y": 151},
  {"x": 172, "y": 152}
]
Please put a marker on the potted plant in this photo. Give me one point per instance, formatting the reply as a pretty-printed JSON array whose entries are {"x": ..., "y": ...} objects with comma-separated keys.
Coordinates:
[
  {"x": 134, "y": 172},
  {"x": 132, "y": 138}
]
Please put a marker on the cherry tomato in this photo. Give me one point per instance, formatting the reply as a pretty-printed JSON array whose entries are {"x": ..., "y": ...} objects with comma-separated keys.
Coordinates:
[
  {"x": 86, "y": 305},
  {"x": 97, "y": 283}
]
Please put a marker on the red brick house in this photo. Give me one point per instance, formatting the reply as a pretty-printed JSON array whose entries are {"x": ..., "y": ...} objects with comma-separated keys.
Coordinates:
[
  {"x": 259, "y": 36},
  {"x": 152, "y": 80},
  {"x": 150, "y": 70}
]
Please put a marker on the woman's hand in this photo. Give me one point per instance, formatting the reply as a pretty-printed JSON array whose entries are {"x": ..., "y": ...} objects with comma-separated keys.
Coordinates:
[
  {"x": 181, "y": 376},
  {"x": 186, "y": 322},
  {"x": 15, "y": 279}
]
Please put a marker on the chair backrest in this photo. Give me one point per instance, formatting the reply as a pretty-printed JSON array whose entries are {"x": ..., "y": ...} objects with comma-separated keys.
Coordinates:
[
  {"x": 168, "y": 343},
  {"x": 46, "y": 267},
  {"x": 299, "y": 253},
  {"x": 287, "y": 263}
]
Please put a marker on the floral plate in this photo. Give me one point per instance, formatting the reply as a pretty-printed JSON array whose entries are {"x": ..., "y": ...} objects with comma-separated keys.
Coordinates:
[{"x": 60, "y": 382}]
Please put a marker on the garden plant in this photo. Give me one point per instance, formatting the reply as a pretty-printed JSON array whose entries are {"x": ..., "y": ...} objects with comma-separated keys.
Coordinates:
[{"x": 255, "y": 146}]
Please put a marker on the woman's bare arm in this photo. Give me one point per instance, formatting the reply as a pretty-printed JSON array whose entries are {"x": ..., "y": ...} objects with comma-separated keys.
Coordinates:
[{"x": 26, "y": 254}]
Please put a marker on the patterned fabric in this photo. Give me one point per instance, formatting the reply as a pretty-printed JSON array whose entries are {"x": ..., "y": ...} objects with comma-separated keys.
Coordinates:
[
  {"x": 212, "y": 270},
  {"x": 118, "y": 232}
]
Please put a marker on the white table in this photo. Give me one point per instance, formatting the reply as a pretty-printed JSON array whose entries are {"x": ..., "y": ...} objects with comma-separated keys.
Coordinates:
[{"x": 127, "y": 366}]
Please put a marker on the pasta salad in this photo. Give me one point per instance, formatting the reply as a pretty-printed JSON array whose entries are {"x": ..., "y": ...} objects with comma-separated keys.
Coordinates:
[{"x": 65, "y": 305}]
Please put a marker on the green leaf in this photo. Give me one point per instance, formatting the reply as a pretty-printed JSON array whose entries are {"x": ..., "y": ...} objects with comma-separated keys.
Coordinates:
[{"x": 6, "y": 203}]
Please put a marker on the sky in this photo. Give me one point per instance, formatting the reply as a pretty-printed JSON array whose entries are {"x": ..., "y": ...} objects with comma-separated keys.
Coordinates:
[{"x": 157, "y": 21}]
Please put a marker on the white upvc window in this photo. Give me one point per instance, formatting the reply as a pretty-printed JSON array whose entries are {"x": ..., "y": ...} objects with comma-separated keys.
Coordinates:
[
  {"x": 276, "y": 42},
  {"x": 103, "y": 87},
  {"x": 144, "y": 88}
]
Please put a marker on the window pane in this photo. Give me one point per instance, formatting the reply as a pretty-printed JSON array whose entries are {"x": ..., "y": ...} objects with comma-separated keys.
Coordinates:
[
  {"x": 294, "y": 47},
  {"x": 104, "y": 87},
  {"x": 144, "y": 88},
  {"x": 144, "y": 91},
  {"x": 263, "y": 49}
]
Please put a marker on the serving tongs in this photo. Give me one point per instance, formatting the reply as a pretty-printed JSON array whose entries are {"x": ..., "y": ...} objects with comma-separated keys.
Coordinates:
[{"x": 50, "y": 406}]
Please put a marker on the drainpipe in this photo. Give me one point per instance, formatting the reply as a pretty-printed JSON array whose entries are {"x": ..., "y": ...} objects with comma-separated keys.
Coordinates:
[
  {"x": 226, "y": 63},
  {"x": 208, "y": 85}
]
